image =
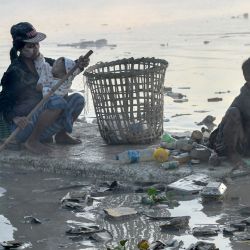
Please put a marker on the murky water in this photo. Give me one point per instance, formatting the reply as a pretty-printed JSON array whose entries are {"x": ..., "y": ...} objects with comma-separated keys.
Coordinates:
[
  {"x": 38, "y": 194},
  {"x": 138, "y": 29}
]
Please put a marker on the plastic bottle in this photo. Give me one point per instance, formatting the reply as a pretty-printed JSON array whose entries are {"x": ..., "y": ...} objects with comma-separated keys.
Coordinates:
[
  {"x": 133, "y": 156},
  {"x": 170, "y": 165}
]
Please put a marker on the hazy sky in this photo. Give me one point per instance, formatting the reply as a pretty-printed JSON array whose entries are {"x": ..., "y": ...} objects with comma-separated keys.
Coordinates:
[{"x": 58, "y": 16}]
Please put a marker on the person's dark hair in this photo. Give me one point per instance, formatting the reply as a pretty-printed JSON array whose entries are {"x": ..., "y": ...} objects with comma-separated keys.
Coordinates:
[
  {"x": 17, "y": 45},
  {"x": 246, "y": 69},
  {"x": 22, "y": 33}
]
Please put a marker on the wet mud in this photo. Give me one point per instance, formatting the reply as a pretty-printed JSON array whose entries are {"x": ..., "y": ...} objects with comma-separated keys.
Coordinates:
[{"x": 38, "y": 194}]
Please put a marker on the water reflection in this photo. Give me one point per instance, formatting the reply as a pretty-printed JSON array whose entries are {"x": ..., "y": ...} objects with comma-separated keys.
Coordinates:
[
  {"x": 2, "y": 191},
  {"x": 6, "y": 229},
  {"x": 51, "y": 233},
  {"x": 141, "y": 227}
]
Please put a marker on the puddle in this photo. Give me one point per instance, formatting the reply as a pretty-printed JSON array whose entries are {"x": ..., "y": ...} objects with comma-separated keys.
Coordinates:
[
  {"x": 38, "y": 194},
  {"x": 2, "y": 191},
  {"x": 6, "y": 229}
]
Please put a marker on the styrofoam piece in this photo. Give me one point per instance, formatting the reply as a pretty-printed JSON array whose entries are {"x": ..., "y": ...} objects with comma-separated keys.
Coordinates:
[{"x": 189, "y": 183}]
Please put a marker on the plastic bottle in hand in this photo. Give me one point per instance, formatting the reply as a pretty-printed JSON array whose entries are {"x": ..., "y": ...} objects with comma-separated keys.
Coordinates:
[{"x": 133, "y": 156}]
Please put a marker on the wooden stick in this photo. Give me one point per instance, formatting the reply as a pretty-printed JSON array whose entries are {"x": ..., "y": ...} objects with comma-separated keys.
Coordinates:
[{"x": 45, "y": 98}]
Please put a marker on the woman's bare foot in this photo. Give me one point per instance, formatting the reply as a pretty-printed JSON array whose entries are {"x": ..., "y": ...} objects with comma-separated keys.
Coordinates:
[
  {"x": 65, "y": 138},
  {"x": 36, "y": 147}
]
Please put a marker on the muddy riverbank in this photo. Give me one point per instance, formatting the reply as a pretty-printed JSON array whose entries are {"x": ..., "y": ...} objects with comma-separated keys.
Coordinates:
[
  {"x": 35, "y": 193},
  {"x": 34, "y": 185},
  {"x": 96, "y": 160}
]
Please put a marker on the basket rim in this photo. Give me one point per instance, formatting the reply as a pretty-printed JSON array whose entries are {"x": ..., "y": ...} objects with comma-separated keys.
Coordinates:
[{"x": 89, "y": 71}]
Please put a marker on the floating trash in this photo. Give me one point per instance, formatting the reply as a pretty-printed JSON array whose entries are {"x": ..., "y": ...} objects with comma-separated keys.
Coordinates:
[
  {"x": 205, "y": 231},
  {"x": 31, "y": 220},
  {"x": 83, "y": 230},
  {"x": 214, "y": 190},
  {"x": 215, "y": 99},
  {"x": 176, "y": 223},
  {"x": 120, "y": 212},
  {"x": 11, "y": 244}
]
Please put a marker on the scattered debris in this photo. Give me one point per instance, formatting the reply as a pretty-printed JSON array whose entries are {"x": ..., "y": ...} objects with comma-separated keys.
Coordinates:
[
  {"x": 120, "y": 212},
  {"x": 84, "y": 230},
  {"x": 86, "y": 44},
  {"x": 170, "y": 244},
  {"x": 200, "y": 153},
  {"x": 180, "y": 100},
  {"x": 182, "y": 158},
  {"x": 229, "y": 231},
  {"x": 201, "y": 245},
  {"x": 103, "y": 236},
  {"x": 167, "y": 89},
  {"x": 121, "y": 246},
  {"x": 201, "y": 111},
  {"x": 170, "y": 165},
  {"x": 208, "y": 122},
  {"x": 177, "y": 115},
  {"x": 245, "y": 211},
  {"x": 73, "y": 206},
  {"x": 222, "y": 92},
  {"x": 143, "y": 245},
  {"x": 76, "y": 196},
  {"x": 195, "y": 161},
  {"x": 31, "y": 220},
  {"x": 11, "y": 244},
  {"x": 241, "y": 236},
  {"x": 184, "y": 145},
  {"x": 187, "y": 184},
  {"x": 214, "y": 190},
  {"x": 205, "y": 231},
  {"x": 184, "y": 87},
  {"x": 214, "y": 99},
  {"x": 154, "y": 197},
  {"x": 176, "y": 223},
  {"x": 206, "y": 132},
  {"x": 246, "y": 220},
  {"x": 174, "y": 95},
  {"x": 238, "y": 225},
  {"x": 197, "y": 136}
]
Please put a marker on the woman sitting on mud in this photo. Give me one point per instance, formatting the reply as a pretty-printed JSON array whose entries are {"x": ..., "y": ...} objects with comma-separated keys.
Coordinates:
[
  {"x": 19, "y": 95},
  {"x": 232, "y": 137}
]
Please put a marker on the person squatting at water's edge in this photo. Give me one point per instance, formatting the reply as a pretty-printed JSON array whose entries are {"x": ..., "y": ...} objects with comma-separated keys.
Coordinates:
[{"x": 232, "y": 136}]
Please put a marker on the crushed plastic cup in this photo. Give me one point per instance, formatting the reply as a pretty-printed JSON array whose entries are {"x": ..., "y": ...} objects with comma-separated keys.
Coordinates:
[{"x": 167, "y": 138}]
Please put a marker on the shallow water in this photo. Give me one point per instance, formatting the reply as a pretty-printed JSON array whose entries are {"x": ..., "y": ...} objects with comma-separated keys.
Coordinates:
[
  {"x": 38, "y": 194},
  {"x": 138, "y": 28}
]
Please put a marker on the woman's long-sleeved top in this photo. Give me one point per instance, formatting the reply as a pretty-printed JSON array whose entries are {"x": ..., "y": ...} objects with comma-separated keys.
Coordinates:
[{"x": 19, "y": 95}]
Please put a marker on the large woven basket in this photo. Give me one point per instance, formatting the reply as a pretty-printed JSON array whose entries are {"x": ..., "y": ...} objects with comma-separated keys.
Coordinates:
[{"x": 128, "y": 99}]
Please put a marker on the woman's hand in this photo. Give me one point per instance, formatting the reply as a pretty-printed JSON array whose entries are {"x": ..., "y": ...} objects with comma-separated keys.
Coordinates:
[
  {"x": 83, "y": 62},
  {"x": 21, "y": 121}
]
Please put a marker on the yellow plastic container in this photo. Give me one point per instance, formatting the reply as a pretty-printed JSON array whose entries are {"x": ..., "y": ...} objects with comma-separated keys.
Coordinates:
[{"x": 161, "y": 154}]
